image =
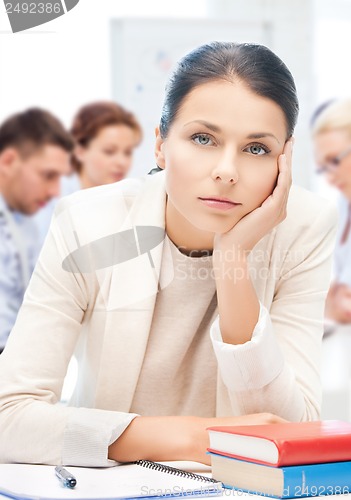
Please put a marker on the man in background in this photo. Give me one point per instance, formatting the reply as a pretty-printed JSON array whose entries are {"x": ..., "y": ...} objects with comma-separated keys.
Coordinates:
[{"x": 34, "y": 154}]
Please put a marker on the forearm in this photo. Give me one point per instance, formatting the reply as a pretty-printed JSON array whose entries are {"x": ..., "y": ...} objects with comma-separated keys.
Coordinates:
[
  {"x": 258, "y": 378},
  {"x": 238, "y": 305},
  {"x": 162, "y": 439},
  {"x": 175, "y": 438},
  {"x": 284, "y": 396}
]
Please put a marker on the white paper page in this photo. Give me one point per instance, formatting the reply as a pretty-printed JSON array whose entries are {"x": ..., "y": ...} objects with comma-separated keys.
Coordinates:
[{"x": 23, "y": 481}]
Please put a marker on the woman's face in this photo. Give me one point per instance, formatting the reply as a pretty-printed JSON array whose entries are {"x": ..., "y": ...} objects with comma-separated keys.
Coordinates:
[
  {"x": 328, "y": 146},
  {"x": 220, "y": 156},
  {"x": 108, "y": 156}
]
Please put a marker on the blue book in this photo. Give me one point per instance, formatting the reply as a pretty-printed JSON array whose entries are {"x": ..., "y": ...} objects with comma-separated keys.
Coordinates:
[{"x": 293, "y": 481}]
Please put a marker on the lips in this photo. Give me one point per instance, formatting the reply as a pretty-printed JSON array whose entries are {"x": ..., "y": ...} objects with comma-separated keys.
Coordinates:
[
  {"x": 117, "y": 176},
  {"x": 219, "y": 203}
]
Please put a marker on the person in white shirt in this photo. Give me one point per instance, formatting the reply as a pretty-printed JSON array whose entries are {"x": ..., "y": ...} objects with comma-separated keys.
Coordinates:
[
  {"x": 331, "y": 132},
  {"x": 34, "y": 154},
  {"x": 191, "y": 297}
]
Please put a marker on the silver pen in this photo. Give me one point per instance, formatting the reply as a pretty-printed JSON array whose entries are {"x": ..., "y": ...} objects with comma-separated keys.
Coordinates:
[{"x": 66, "y": 478}]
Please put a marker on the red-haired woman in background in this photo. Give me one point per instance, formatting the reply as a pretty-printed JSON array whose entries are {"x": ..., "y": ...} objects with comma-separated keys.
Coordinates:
[{"x": 105, "y": 135}]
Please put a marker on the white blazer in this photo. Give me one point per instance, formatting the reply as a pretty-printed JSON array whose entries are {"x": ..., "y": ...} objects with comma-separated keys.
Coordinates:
[{"x": 88, "y": 296}]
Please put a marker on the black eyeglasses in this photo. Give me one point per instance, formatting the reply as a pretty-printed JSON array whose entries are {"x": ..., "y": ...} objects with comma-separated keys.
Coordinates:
[{"x": 333, "y": 163}]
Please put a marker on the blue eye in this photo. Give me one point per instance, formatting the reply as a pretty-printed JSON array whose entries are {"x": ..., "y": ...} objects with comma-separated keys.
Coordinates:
[
  {"x": 203, "y": 139},
  {"x": 257, "y": 149}
]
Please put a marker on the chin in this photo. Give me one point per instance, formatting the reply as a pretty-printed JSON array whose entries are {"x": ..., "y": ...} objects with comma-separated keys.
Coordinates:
[
  {"x": 28, "y": 211},
  {"x": 216, "y": 226}
]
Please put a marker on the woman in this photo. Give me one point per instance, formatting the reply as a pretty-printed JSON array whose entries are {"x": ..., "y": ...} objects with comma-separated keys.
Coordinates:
[
  {"x": 192, "y": 297},
  {"x": 105, "y": 136},
  {"x": 331, "y": 132}
]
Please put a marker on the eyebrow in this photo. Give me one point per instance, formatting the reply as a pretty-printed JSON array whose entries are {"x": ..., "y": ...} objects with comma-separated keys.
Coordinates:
[
  {"x": 262, "y": 135},
  {"x": 215, "y": 128},
  {"x": 209, "y": 125}
]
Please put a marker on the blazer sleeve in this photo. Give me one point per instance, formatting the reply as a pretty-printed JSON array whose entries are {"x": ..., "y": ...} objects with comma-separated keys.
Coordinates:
[
  {"x": 278, "y": 370},
  {"x": 35, "y": 427}
]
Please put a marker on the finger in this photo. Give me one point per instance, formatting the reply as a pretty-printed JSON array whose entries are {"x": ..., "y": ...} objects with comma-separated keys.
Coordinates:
[
  {"x": 284, "y": 170},
  {"x": 279, "y": 194},
  {"x": 288, "y": 149},
  {"x": 284, "y": 178},
  {"x": 281, "y": 191}
]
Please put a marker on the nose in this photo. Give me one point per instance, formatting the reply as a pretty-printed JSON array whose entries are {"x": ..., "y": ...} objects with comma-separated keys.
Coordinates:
[
  {"x": 226, "y": 169},
  {"x": 55, "y": 189}
]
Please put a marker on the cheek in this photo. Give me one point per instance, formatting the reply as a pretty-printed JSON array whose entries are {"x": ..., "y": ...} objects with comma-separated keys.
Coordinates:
[
  {"x": 94, "y": 164},
  {"x": 181, "y": 168},
  {"x": 179, "y": 177},
  {"x": 347, "y": 169},
  {"x": 173, "y": 183},
  {"x": 94, "y": 160},
  {"x": 177, "y": 171},
  {"x": 29, "y": 186},
  {"x": 105, "y": 161},
  {"x": 128, "y": 161}
]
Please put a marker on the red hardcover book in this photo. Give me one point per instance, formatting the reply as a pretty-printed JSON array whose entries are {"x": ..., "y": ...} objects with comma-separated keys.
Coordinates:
[{"x": 284, "y": 444}]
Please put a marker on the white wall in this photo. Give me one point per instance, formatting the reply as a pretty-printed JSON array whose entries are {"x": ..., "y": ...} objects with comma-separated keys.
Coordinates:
[{"x": 66, "y": 63}]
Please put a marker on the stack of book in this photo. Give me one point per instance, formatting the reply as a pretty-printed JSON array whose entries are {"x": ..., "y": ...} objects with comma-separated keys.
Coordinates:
[{"x": 289, "y": 460}]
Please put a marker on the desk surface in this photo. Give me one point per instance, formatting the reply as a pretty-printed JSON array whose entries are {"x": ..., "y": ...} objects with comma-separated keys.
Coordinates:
[{"x": 66, "y": 494}]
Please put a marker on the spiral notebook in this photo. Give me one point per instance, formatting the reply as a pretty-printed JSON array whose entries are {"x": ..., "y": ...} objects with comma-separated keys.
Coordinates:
[{"x": 142, "y": 479}]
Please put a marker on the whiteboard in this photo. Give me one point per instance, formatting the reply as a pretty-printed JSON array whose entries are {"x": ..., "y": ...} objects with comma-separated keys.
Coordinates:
[{"x": 144, "y": 53}]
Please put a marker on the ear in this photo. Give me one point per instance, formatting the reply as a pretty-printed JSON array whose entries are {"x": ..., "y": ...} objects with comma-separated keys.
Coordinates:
[
  {"x": 9, "y": 160},
  {"x": 78, "y": 152},
  {"x": 159, "y": 145}
]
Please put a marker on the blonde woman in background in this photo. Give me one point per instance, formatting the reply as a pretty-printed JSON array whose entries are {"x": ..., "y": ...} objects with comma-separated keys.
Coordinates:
[{"x": 331, "y": 132}]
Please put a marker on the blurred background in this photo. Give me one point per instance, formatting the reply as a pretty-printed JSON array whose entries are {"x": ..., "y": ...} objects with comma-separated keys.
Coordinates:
[{"x": 125, "y": 50}]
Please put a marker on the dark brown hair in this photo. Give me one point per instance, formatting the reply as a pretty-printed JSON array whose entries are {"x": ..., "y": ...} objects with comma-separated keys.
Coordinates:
[
  {"x": 257, "y": 66},
  {"x": 91, "y": 118},
  {"x": 33, "y": 129}
]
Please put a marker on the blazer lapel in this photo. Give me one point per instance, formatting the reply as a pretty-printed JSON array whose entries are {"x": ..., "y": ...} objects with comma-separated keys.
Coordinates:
[{"x": 130, "y": 290}]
